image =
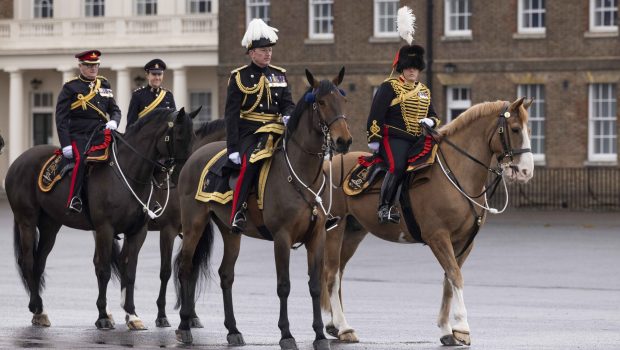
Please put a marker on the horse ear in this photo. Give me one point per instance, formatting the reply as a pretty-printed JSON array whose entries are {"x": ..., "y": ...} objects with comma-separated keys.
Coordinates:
[
  {"x": 179, "y": 114},
  {"x": 313, "y": 83},
  {"x": 528, "y": 103},
  {"x": 515, "y": 105},
  {"x": 195, "y": 113},
  {"x": 339, "y": 78}
]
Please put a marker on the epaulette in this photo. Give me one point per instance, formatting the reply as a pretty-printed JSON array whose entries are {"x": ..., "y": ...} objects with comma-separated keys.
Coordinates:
[
  {"x": 278, "y": 68},
  {"x": 237, "y": 69},
  {"x": 140, "y": 88},
  {"x": 71, "y": 79},
  {"x": 102, "y": 77}
]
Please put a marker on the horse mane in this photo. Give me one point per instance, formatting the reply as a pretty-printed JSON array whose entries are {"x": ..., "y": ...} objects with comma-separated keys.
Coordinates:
[
  {"x": 210, "y": 126},
  {"x": 325, "y": 86},
  {"x": 470, "y": 115},
  {"x": 158, "y": 113}
]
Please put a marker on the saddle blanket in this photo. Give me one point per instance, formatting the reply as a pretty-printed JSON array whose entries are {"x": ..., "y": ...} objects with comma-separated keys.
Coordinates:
[
  {"x": 214, "y": 184},
  {"x": 371, "y": 168}
]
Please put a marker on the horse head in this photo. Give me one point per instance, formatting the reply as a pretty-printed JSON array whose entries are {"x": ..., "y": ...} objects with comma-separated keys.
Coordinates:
[
  {"x": 176, "y": 145},
  {"x": 511, "y": 143},
  {"x": 329, "y": 101}
]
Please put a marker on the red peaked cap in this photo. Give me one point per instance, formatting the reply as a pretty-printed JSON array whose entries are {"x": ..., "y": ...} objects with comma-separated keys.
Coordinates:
[{"x": 90, "y": 56}]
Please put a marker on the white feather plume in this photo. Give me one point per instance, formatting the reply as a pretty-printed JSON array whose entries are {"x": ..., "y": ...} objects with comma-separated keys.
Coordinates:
[
  {"x": 405, "y": 23},
  {"x": 258, "y": 29}
]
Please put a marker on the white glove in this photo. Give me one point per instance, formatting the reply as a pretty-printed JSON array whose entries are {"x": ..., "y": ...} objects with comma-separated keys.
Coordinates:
[
  {"x": 374, "y": 146},
  {"x": 428, "y": 121},
  {"x": 235, "y": 158},
  {"x": 285, "y": 119},
  {"x": 111, "y": 125},
  {"x": 67, "y": 151}
]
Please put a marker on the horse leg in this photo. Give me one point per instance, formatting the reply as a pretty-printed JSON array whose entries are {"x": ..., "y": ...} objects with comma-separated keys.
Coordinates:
[
  {"x": 226, "y": 271},
  {"x": 166, "y": 243},
  {"x": 453, "y": 286},
  {"x": 316, "y": 251},
  {"x": 48, "y": 229},
  {"x": 129, "y": 263},
  {"x": 282, "y": 247},
  {"x": 104, "y": 241}
]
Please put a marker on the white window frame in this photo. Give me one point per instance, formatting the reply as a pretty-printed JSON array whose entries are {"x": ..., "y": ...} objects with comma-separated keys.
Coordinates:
[
  {"x": 43, "y": 109},
  {"x": 593, "y": 12},
  {"x": 312, "y": 18},
  {"x": 39, "y": 5},
  {"x": 523, "y": 12},
  {"x": 536, "y": 115},
  {"x": 207, "y": 110},
  {"x": 137, "y": 4},
  {"x": 251, "y": 5},
  {"x": 593, "y": 119},
  {"x": 92, "y": 4},
  {"x": 208, "y": 6},
  {"x": 452, "y": 104},
  {"x": 381, "y": 32},
  {"x": 449, "y": 31}
]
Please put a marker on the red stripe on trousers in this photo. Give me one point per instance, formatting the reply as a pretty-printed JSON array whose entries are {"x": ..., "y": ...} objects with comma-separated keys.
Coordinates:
[
  {"x": 238, "y": 187},
  {"x": 74, "y": 173},
  {"x": 388, "y": 150}
]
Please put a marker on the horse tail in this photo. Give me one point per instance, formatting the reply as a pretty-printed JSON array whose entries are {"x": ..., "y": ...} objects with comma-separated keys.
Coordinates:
[
  {"x": 115, "y": 261},
  {"x": 200, "y": 263},
  {"x": 19, "y": 258}
]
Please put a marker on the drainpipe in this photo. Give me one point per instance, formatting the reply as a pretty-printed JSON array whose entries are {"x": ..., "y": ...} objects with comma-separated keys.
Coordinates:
[{"x": 429, "y": 43}]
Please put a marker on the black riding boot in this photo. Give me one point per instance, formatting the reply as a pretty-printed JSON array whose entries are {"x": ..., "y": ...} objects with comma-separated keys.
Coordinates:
[{"x": 387, "y": 211}]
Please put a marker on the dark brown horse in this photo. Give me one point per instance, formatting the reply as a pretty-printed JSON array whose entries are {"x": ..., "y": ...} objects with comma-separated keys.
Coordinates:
[
  {"x": 448, "y": 218},
  {"x": 169, "y": 223},
  {"x": 291, "y": 212},
  {"x": 111, "y": 208}
]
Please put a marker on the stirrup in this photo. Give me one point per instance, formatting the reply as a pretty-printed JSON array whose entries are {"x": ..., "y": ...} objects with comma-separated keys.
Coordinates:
[
  {"x": 239, "y": 221},
  {"x": 76, "y": 204},
  {"x": 388, "y": 215}
]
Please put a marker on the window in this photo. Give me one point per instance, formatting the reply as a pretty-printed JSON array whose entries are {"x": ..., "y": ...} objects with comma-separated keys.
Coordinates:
[
  {"x": 198, "y": 6},
  {"x": 385, "y": 18},
  {"x": 42, "y": 106},
  {"x": 537, "y": 117},
  {"x": 146, "y": 7},
  {"x": 94, "y": 8},
  {"x": 458, "y": 100},
  {"x": 321, "y": 19},
  {"x": 602, "y": 138},
  {"x": 457, "y": 18},
  {"x": 532, "y": 16},
  {"x": 257, "y": 9},
  {"x": 43, "y": 9},
  {"x": 201, "y": 98},
  {"x": 603, "y": 15}
]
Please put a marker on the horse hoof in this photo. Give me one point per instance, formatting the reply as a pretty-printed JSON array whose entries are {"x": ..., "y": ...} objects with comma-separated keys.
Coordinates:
[
  {"x": 162, "y": 322},
  {"x": 111, "y": 320},
  {"x": 235, "y": 339},
  {"x": 136, "y": 325},
  {"x": 104, "y": 323},
  {"x": 349, "y": 337},
  {"x": 462, "y": 337},
  {"x": 40, "y": 320},
  {"x": 321, "y": 344},
  {"x": 331, "y": 330},
  {"x": 195, "y": 323},
  {"x": 184, "y": 336},
  {"x": 449, "y": 340},
  {"x": 288, "y": 344}
]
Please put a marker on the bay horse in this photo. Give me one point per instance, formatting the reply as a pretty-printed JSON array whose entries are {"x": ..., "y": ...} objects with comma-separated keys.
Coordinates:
[
  {"x": 292, "y": 212},
  {"x": 448, "y": 220},
  {"x": 111, "y": 208},
  {"x": 169, "y": 223}
]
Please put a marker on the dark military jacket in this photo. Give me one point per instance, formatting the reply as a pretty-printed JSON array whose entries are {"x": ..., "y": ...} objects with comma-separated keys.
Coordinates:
[
  {"x": 256, "y": 96},
  {"x": 83, "y": 106},
  {"x": 143, "y": 97},
  {"x": 397, "y": 109}
]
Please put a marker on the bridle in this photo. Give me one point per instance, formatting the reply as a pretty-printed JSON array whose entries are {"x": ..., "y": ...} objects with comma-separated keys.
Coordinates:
[{"x": 504, "y": 136}]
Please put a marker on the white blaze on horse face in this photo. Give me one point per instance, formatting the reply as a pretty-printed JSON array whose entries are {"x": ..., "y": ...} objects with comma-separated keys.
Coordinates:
[
  {"x": 340, "y": 322},
  {"x": 526, "y": 160}
]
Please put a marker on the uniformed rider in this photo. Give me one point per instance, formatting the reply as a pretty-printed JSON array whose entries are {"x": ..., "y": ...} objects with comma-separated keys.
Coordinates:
[
  {"x": 152, "y": 96},
  {"x": 258, "y": 100},
  {"x": 85, "y": 106}
]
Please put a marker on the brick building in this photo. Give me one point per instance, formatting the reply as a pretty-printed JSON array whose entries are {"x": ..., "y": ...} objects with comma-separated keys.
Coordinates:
[{"x": 565, "y": 54}]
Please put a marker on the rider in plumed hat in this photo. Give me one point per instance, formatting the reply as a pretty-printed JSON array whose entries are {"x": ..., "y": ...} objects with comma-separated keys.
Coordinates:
[{"x": 400, "y": 106}]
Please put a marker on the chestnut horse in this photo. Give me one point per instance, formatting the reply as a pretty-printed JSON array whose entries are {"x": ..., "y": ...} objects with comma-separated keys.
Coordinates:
[
  {"x": 113, "y": 209},
  {"x": 292, "y": 211},
  {"x": 448, "y": 218}
]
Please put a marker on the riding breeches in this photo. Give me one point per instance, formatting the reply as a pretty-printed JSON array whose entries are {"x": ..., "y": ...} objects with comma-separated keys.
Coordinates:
[
  {"x": 78, "y": 144},
  {"x": 395, "y": 152},
  {"x": 247, "y": 177}
]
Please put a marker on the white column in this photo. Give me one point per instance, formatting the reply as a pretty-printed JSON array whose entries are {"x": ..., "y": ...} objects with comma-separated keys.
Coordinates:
[
  {"x": 68, "y": 73},
  {"x": 122, "y": 93},
  {"x": 179, "y": 88},
  {"x": 16, "y": 144}
]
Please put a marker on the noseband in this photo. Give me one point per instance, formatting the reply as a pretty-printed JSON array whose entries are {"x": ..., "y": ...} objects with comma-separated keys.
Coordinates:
[{"x": 504, "y": 136}]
